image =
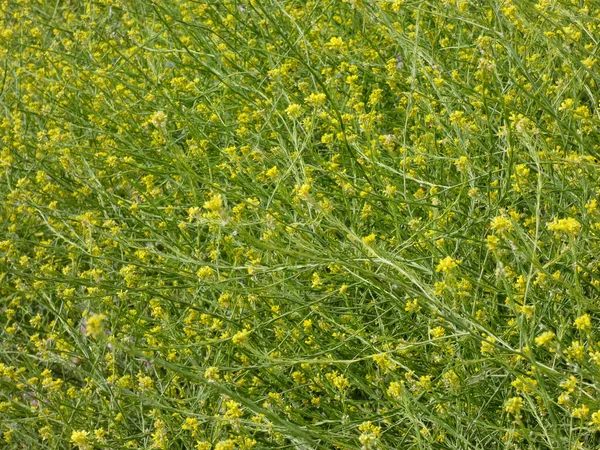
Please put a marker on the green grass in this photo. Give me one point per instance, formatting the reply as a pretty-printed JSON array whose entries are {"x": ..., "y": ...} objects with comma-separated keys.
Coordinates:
[{"x": 286, "y": 224}]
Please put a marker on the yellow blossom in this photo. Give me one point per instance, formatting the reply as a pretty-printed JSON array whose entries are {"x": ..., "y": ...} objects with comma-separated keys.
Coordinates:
[
  {"x": 240, "y": 337},
  {"x": 583, "y": 322},
  {"x": 567, "y": 226},
  {"x": 80, "y": 439},
  {"x": 514, "y": 405},
  {"x": 501, "y": 224},
  {"x": 395, "y": 389},
  {"x": 447, "y": 264},
  {"x": 544, "y": 338},
  {"x": 370, "y": 239},
  {"x": 94, "y": 325}
]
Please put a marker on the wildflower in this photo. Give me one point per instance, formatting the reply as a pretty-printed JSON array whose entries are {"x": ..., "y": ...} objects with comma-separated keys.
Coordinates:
[
  {"x": 595, "y": 422},
  {"x": 424, "y": 383},
  {"x": 575, "y": 351},
  {"x": 212, "y": 374},
  {"x": 514, "y": 405},
  {"x": 80, "y": 439},
  {"x": 545, "y": 338},
  {"x": 293, "y": 111},
  {"x": 369, "y": 435},
  {"x": 298, "y": 377},
  {"x": 159, "y": 437},
  {"x": 569, "y": 384},
  {"x": 191, "y": 424},
  {"x": 240, "y": 337},
  {"x": 159, "y": 119},
  {"x": 447, "y": 264},
  {"x": 583, "y": 322},
  {"x": 316, "y": 280},
  {"x": 395, "y": 389},
  {"x": 568, "y": 226},
  {"x": 375, "y": 97},
  {"x": 501, "y": 224},
  {"x": 383, "y": 361},
  {"x": 451, "y": 379},
  {"x": 225, "y": 445},
  {"x": 215, "y": 203},
  {"x": 370, "y": 239},
  {"x": 412, "y": 306},
  {"x": 564, "y": 399},
  {"x": 233, "y": 410},
  {"x": 438, "y": 332},
  {"x": 272, "y": 173},
  {"x": 487, "y": 346},
  {"x": 335, "y": 43},
  {"x": 566, "y": 105},
  {"x": 581, "y": 413},
  {"x": 316, "y": 99},
  {"x": 45, "y": 433},
  {"x": 145, "y": 382},
  {"x": 100, "y": 434},
  {"x": 303, "y": 191},
  {"x": 526, "y": 310},
  {"x": 461, "y": 163},
  {"x": 524, "y": 384},
  {"x": 338, "y": 380},
  {"x": 204, "y": 273},
  {"x": 94, "y": 325}
]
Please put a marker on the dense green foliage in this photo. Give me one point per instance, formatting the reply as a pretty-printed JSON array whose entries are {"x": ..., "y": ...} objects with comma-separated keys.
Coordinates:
[{"x": 237, "y": 224}]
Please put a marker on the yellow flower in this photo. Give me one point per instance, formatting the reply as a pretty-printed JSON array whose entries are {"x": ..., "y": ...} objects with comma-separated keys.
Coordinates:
[
  {"x": 581, "y": 413},
  {"x": 211, "y": 374},
  {"x": 595, "y": 422},
  {"x": 501, "y": 224},
  {"x": 234, "y": 410},
  {"x": 492, "y": 242},
  {"x": 487, "y": 346},
  {"x": 412, "y": 306},
  {"x": 447, "y": 264},
  {"x": 215, "y": 203},
  {"x": 205, "y": 272},
  {"x": 514, "y": 405},
  {"x": 225, "y": 445},
  {"x": 293, "y": 111},
  {"x": 383, "y": 361},
  {"x": 335, "y": 43},
  {"x": 272, "y": 173},
  {"x": 395, "y": 389},
  {"x": 544, "y": 338},
  {"x": 159, "y": 119},
  {"x": 159, "y": 437},
  {"x": 462, "y": 163},
  {"x": 576, "y": 351},
  {"x": 369, "y": 434},
  {"x": 191, "y": 424},
  {"x": 316, "y": 280},
  {"x": 338, "y": 380},
  {"x": 567, "y": 226},
  {"x": 80, "y": 439},
  {"x": 424, "y": 383},
  {"x": 438, "y": 332},
  {"x": 370, "y": 239},
  {"x": 240, "y": 337},
  {"x": 94, "y": 325},
  {"x": 316, "y": 99},
  {"x": 569, "y": 384},
  {"x": 583, "y": 322}
]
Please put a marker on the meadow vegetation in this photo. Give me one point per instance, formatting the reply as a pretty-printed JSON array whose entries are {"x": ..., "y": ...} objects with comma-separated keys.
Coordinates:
[{"x": 290, "y": 224}]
